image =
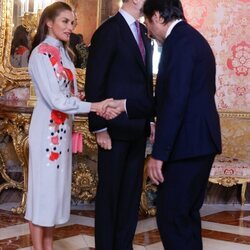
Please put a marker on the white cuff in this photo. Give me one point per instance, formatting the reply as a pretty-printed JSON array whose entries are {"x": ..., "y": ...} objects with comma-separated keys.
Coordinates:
[{"x": 100, "y": 130}]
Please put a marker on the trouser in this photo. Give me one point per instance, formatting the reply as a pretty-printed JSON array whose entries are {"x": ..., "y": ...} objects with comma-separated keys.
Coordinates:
[
  {"x": 179, "y": 200},
  {"x": 120, "y": 172}
]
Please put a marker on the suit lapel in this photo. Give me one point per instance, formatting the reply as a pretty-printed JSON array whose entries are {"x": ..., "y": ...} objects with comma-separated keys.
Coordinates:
[
  {"x": 130, "y": 41},
  {"x": 148, "y": 47}
]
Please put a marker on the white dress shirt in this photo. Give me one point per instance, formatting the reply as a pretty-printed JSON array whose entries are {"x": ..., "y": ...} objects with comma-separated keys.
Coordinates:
[{"x": 172, "y": 26}]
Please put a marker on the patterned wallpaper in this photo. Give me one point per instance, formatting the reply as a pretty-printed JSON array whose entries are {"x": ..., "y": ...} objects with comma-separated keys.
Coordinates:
[{"x": 225, "y": 24}]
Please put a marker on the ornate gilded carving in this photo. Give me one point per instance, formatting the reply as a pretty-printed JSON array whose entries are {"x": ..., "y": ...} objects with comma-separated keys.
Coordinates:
[
  {"x": 81, "y": 125},
  {"x": 147, "y": 205},
  {"x": 30, "y": 22},
  {"x": 83, "y": 53},
  {"x": 16, "y": 126},
  {"x": 147, "y": 200},
  {"x": 84, "y": 183},
  {"x": 225, "y": 181}
]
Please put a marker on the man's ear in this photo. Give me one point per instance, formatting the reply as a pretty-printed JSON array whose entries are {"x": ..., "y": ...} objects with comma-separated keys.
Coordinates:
[{"x": 156, "y": 17}]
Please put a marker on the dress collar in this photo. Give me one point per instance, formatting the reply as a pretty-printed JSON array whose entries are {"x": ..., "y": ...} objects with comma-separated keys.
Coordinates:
[{"x": 53, "y": 41}]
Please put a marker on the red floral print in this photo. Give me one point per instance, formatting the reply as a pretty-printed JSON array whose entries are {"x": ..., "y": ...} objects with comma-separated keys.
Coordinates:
[
  {"x": 58, "y": 117},
  {"x": 55, "y": 140},
  {"x": 20, "y": 50},
  {"x": 195, "y": 12},
  {"x": 55, "y": 59},
  {"x": 54, "y": 156},
  {"x": 240, "y": 62}
]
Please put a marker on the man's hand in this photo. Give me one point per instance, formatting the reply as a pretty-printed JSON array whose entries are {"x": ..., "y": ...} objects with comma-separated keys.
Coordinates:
[
  {"x": 103, "y": 140},
  {"x": 110, "y": 108},
  {"x": 154, "y": 168},
  {"x": 101, "y": 109},
  {"x": 118, "y": 104},
  {"x": 113, "y": 106}
]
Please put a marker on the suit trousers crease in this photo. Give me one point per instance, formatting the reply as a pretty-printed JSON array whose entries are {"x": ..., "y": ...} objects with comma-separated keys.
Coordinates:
[
  {"x": 120, "y": 172},
  {"x": 179, "y": 200}
]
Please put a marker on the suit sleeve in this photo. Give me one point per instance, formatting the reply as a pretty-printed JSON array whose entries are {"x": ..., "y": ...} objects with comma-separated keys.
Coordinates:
[
  {"x": 140, "y": 108},
  {"x": 43, "y": 75},
  {"x": 101, "y": 52},
  {"x": 175, "y": 79}
]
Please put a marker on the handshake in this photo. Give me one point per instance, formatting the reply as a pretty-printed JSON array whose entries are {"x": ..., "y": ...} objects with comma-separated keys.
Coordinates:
[{"x": 109, "y": 108}]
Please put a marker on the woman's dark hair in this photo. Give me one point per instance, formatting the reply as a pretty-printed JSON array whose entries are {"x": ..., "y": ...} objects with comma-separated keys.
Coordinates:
[
  {"x": 169, "y": 9},
  {"x": 49, "y": 13},
  {"x": 20, "y": 38}
]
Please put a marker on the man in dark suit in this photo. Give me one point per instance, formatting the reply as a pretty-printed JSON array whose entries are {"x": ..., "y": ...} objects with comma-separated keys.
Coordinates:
[
  {"x": 187, "y": 135},
  {"x": 119, "y": 67}
]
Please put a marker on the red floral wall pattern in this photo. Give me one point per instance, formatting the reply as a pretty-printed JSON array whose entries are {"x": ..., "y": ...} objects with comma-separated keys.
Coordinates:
[{"x": 225, "y": 24}]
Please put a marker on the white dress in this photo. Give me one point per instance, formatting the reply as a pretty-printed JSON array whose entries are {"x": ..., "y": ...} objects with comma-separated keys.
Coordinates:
[{"x": 50, "y": 157}]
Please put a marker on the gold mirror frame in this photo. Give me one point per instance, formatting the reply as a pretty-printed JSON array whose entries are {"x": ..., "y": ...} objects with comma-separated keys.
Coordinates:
[{"x": 11, "y": 77}]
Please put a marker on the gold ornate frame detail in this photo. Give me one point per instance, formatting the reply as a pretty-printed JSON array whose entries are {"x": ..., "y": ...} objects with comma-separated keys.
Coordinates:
[
  {"x": 10, "y": 77},
  {"x": 16, "y": 125},
  {"x": 84, "y": 183}
]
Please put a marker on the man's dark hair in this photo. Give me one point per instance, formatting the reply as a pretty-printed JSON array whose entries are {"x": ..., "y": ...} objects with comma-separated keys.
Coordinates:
[{"x": 169, "y": 9}]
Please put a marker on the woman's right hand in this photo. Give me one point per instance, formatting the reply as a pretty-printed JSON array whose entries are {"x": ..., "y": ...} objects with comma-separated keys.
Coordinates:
[{"x": 109, "y": 108}]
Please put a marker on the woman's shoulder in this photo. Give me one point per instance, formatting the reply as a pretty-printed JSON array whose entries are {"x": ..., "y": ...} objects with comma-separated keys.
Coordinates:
[{"x": 45, "y": 49}]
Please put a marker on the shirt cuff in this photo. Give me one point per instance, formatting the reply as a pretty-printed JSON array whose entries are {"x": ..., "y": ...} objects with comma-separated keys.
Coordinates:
[
  {"x": 84, "y": 107},
  {"x": 125, "y": 107},
  {"x": 100, "y": 130}
]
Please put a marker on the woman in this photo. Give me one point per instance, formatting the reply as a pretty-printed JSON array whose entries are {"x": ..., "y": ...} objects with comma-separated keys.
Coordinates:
[
  {"x": 19, "y": 52},
  {"x": 53, "y": 75}
]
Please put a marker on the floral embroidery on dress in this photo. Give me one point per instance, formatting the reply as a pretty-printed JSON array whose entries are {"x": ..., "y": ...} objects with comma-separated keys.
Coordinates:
[
  {"x": 57, "y": 122},
  {"x": 58, "y": 117},
  {"x": 57, "y": 130},
  {"x": 64, "y": 75},
  {"x": 70, "y": 77},
  {"x": 54, "y": 156}
]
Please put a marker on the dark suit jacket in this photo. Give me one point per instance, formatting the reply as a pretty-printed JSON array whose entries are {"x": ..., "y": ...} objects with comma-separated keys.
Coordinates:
[
  {"x": 115, "y": 69},
  {"x": 187, "y": 120}
]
